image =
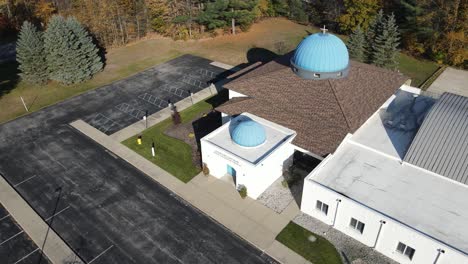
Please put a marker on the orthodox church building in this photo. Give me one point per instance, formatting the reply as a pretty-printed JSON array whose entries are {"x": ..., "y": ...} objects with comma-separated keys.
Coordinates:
[
  {"x": 393, "y": 170},
  {"x": 306, "y": 101}
]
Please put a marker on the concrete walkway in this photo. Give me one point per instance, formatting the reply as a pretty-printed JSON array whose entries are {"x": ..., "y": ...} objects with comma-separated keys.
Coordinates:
[
  {"x": 55, "y": 248},
  {"x": 246, "y": 217}
]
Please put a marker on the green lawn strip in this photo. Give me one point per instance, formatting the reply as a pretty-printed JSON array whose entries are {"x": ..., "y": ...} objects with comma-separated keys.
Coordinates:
[
  {"x": 172, "y": 155},
  {"x": 418, "y": 70},
  {"x": 321, "y": 251}
]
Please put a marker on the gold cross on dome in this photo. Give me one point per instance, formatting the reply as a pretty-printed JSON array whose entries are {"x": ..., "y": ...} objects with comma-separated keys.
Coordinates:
[{"x": 324, "y": 29}]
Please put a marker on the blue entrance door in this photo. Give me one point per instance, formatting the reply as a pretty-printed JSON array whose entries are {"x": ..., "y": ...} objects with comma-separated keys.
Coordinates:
[{"x": 231, "y": 171}]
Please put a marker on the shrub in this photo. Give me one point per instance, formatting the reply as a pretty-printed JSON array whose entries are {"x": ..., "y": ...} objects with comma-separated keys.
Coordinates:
[
  {"x": 205, "y": 169},
  {"x": 242, "y": 191},
  {"x": 176, "y": 117}
]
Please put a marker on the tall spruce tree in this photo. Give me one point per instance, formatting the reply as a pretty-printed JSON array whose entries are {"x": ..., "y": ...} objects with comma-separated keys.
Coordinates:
[
  {"x": 58, "y": 42},
  {"x": 72, "y": 56},
  {"x": 85, "y": 59},
  {"x": 375, "y": 29},
  {"x": 386, "y": 45},
  {"x": 30, "y": 54},
  {"x": 356, "y": 45}
]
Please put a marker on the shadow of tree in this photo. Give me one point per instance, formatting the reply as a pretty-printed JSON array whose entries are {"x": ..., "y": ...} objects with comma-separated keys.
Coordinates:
[{"x": 9, "y": 77}]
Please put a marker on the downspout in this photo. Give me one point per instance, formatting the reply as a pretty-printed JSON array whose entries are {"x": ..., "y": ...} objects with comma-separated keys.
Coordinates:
[
  {"x": 336, "y": 211},
  {"x": 439, "y": 252},
  {"x": 382, "y": 222}
]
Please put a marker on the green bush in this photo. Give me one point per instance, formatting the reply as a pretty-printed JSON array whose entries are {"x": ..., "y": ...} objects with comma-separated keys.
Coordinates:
[{"x": 242, "y": 191}]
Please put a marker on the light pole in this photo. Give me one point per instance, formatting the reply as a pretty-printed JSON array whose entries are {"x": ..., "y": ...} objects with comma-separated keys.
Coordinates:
[{"x": 59, "y": 191}]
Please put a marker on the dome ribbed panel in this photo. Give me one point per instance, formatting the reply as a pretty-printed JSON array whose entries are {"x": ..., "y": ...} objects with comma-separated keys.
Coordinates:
[
  {"x": 321, "y": 53},
  {"x": 248, "y": 134}
]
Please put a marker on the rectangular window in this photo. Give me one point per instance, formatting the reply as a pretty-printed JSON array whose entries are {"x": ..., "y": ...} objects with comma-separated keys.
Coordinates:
[
  {"x": 323, "y": 207},
  {"x": 359, "y": 226},
  {"x": 405, "y": 250}
]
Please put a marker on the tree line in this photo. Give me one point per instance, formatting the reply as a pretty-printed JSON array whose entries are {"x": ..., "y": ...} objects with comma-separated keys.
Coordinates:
[{"x": 435, "y": 29}]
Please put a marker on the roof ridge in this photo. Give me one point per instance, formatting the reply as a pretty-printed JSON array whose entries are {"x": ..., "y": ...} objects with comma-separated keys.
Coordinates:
[
  {"x": 237, "y": 81},
  {"x": 339, "y": 104}
]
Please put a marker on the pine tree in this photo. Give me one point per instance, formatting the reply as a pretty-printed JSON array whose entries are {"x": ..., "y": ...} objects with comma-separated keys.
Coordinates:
[
  {"x": 386, "y": 45},
  {"x": 297, "y": 11},
  {"x": 57, "y": 42},
  {"x": 86, "y": 61},
  {"x": 30, "y": 54},
  {"x": 71, "y": 55},
  {"x": 375, "y": 29},
  {"x": 356, "y": 45}
]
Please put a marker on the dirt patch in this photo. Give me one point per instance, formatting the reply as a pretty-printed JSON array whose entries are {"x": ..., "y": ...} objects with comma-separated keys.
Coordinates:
[{"x": 191, "y": 132}]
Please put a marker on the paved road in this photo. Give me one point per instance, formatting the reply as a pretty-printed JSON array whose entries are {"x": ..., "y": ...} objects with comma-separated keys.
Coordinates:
[
  {"x": 451, "y": 80},
  {"x": 108, "y": 211},
  {"x": 15, "y": 245}
]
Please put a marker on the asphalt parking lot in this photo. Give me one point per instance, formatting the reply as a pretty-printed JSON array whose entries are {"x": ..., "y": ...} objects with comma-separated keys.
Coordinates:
[
  {"x": 15, "y": 245},
  {"x": 105, "y": 209}
]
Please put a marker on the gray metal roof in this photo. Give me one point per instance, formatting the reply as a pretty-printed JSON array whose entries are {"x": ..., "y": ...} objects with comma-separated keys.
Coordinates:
[{"x": 441, "y": 144}]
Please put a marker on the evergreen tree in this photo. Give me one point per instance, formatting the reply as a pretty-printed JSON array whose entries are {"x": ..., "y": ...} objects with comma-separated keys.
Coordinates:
[
  {"x": 30, "y": 54},
  {"x": 375, "y": 29},
  {"x": 297, "y": 11},
  {"x": 86, "y": 58},
  {"x": 386, "y": 45},
  {"x": 58, "y": 42},
  {"x": 356, "y": 45},
  {"x": 71, "y": 55}
]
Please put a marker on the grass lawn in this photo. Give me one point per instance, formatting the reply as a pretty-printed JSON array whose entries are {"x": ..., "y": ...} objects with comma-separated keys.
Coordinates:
[
  {"x": 172, "y": 155},
  {"x": 318, "y": 252},
  {"x": 417, "y": 70}
]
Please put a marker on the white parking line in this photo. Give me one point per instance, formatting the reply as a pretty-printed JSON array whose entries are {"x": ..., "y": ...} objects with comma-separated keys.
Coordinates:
[
  {"x": 102, "y": 253},
  {"x": 57, "y": 213},
  {"x": 5, "y": 217},
  {"x": 21, "y": 259},
  {"x": 16, "y": 185},
  {"x": 13, "y": 236}
]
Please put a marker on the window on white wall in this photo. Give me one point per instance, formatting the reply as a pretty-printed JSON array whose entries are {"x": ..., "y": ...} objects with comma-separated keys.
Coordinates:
[
  {"x": 358, "y": 225},
  {"x": 321, "y": 206},
  {"x": 405, "y": 250}
]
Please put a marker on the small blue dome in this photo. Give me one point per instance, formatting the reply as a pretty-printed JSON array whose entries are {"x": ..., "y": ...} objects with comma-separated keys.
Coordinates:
[
  {"x": 247, "y": 133},
  {"x": 322, "y": 55}
]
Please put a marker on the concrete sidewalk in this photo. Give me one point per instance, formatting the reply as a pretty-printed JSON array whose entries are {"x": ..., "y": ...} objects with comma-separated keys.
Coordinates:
[
  {"x": 55, "y": 248},
  {"x": 246, "y": 217}
]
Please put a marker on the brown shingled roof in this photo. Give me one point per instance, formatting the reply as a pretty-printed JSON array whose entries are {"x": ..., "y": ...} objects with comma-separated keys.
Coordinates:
[{"x": 322, "y": 112}]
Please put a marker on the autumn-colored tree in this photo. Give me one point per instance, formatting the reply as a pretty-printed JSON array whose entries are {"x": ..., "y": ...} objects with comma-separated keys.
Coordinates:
[
  {"x": 358, "y": 13},
  {"x": 43, "y": 10},
  {"x": 158, "y": 15}
]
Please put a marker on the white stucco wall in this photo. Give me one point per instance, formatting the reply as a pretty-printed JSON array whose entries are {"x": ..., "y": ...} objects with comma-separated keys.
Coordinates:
[
  {"x": 255, "y": 178},
  {"x": 391, "y": 233}
]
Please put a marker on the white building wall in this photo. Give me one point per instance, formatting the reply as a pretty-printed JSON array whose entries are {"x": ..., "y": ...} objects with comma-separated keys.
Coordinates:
[
  {"x": 260, "y": 177},
  {"x": 391, "y": 234},
  {"x": 255, "y": 178}
]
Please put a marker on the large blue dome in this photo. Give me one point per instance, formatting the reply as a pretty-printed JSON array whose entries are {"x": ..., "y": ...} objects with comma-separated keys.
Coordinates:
[
  {"x": 247, "y": 133},
  {"x": 321, "y": 56}
]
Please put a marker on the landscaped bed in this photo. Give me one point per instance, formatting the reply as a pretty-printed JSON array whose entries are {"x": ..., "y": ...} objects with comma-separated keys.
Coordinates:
[
  {"x": 312, "y": 247},
  {"x": 178, "y": 153}
]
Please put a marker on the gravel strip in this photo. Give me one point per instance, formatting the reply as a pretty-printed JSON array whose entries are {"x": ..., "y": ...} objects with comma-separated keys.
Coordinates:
[
  {"x": 277, "y": 197},
  {"x": 351, "y": 250}
]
